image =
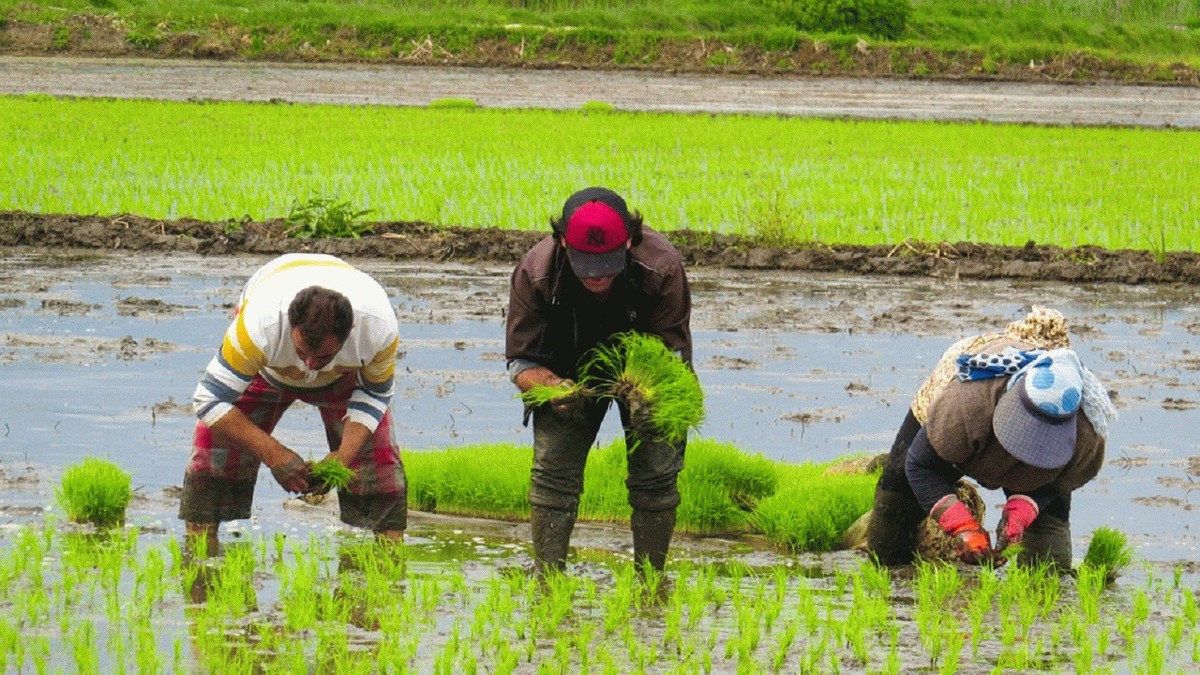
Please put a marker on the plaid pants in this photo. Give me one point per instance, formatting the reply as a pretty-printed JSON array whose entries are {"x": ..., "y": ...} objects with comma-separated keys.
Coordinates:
[{"x": 221, "y": 466}]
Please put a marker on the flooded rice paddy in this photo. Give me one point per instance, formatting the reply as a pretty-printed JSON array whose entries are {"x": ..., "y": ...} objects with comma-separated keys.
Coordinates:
[{"x": 99, "y": 354}]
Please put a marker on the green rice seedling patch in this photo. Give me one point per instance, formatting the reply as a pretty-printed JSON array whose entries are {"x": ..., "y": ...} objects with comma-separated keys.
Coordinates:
[
  {"x": 826, "y": 181},
  {"x": 724, "y": 490},
  {"x": 812, "y": 510},
  {"x": 95, "y": 491}
]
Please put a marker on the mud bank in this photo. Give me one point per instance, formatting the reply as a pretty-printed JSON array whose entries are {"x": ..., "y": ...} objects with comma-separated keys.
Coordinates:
[{"x": 400, "y": 241}]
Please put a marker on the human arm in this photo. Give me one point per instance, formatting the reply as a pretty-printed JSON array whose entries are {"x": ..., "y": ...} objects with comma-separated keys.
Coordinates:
[
  {"x": 932, "y": 480},
  {"x": 671, "y": 312},
  {"x": 225, "y": 379}
]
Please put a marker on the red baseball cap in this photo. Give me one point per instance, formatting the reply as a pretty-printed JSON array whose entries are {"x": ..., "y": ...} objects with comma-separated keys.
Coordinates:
[{"x": 595, "y": 229}]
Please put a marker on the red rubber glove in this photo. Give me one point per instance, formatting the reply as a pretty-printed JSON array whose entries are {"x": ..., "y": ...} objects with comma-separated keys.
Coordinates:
[
  {"x": 973, "y": 542},
  {"x": 1019, "y": 513}
]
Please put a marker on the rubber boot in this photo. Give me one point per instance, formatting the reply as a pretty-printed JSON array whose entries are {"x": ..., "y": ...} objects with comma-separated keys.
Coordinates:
[
  {"x": 1048, "y": 540},
  {"x": 892, "y": 530},
  {"x": 551, "y": 537},
  {"x": 652, "y": 532}
]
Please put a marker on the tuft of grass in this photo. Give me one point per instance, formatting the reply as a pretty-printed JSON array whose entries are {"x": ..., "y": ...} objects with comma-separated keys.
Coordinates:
[
  {"x": 661, "y": 392},
  {"x": 453, "y": 103},
  {"x": 332, "y": 472},
  {"x": 95, "y": 491},
  {"x": 321, "y": 217},
  {"x": 1109, "y": 550}
]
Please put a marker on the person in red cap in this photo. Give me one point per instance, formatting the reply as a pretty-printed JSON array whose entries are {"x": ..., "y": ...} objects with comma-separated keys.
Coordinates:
[{"x": 599, "y": 272}]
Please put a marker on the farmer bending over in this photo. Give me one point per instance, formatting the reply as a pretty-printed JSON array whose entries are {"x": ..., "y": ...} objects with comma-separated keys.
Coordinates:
[
  {"x": 1005, "y": 412},
  {"x": 600, "y": 272},
  {"x": 310, "y": 328}
]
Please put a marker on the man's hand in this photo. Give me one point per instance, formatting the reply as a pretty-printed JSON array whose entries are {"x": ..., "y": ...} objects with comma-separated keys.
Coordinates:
[
  {"x": 571, "y": 405},
  {"x": 318, "y": 486},
  {"x": 1019, "y": 513},
  {"x": 292, "y": 473},
  {"x": 973, "y": 543}
]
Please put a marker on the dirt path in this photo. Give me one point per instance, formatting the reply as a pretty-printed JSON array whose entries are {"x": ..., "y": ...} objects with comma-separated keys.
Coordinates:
[{"x": 565, "y": 89}]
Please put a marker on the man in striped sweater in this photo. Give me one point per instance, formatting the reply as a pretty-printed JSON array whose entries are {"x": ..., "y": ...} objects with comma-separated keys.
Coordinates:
[{"x": 310, "y": 328}]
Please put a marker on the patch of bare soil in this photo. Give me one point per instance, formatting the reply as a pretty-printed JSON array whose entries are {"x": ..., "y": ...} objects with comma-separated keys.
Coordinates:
[
  {"x": 110, "y": 35},
  {"x": 423, "y": 241}
]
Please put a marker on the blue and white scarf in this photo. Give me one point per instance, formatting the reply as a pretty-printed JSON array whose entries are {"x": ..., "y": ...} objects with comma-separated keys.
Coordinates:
[
  {"x": 1014, "y": 363},
  {"x": 983, "y": 366}
]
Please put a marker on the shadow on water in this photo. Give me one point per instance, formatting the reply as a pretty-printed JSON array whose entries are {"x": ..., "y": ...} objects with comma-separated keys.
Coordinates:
[{"x": 99, "y": 356}]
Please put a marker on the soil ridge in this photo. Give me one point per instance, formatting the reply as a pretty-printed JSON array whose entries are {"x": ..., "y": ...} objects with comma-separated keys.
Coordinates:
[{"x": 417, "y": 241}]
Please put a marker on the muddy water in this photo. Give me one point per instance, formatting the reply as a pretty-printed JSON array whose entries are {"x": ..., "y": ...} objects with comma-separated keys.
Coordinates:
[{"x": 99, "y": 354}]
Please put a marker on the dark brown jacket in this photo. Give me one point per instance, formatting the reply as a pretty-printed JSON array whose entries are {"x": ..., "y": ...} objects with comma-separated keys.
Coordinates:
[
  {"x": 960, "y": 430},
  {"x": 553, "y": 320}
]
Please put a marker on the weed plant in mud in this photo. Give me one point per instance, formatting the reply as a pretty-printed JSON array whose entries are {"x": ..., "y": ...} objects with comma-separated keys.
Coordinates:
[
  {"x": 133, "y": 601},
  {"x": 95, "y": 491},
  {"x": 660, "y": 391},
  {"x": 786, "y": 179}
]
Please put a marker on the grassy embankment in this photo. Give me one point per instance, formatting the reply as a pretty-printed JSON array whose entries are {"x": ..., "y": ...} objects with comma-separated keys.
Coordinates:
[
  {"x": 724, "y": 491},
  {"x": 1086, "y": 38},
  {"x": 130, "y": 601},
  {"x": 783, "y": 180}
]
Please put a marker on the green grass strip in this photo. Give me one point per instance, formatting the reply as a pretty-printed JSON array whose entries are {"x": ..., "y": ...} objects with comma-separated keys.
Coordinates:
[
  {"x": 724, "y": 490},
  {"x": 633, "y": 32},
  {"x": 820, "y": 180}
]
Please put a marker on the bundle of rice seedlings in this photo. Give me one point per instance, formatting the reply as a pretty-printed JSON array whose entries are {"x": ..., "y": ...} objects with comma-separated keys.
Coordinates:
[
  {"x": 95, "y": 491},
  {"x": 1109, "y": 551},
  {"x": 332, "y": 473},
  {"x": 540, "y": 394},
  {"x": 660, "y": 391}
]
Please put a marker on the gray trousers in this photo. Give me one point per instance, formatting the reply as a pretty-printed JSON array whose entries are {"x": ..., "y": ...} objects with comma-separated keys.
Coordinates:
[{"x": 560, "y": 449}]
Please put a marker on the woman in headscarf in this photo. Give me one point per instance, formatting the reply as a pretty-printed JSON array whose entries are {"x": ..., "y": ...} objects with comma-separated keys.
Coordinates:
[{"x": 978, "y": 416}]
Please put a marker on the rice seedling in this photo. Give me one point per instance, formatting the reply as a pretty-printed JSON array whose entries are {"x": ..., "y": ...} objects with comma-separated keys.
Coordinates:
[
  {"x": 95, "y": 491},
  {"x": 660, "y": 391},
  {"x": 331, "y": 473},
  {"x": 540, "y": 394},
  {"x": 1109, "y": 550}
]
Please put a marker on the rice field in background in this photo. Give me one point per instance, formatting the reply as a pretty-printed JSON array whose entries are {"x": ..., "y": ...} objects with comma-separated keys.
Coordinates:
[
  {"x": 784, "y": 179},
  {"x": 79, "y": 601}
]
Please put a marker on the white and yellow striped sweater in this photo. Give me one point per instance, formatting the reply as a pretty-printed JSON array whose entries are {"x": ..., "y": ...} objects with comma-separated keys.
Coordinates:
[{"x": 258, "y": 342}]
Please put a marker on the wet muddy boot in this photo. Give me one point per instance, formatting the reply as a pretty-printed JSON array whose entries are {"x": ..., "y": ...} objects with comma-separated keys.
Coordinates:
[
  {"x": 652, "y": 532},
  {"x": 1048, "y": 540},
  {"x": 551, "y": 537},
  {"x": 892, "y": 530}
]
